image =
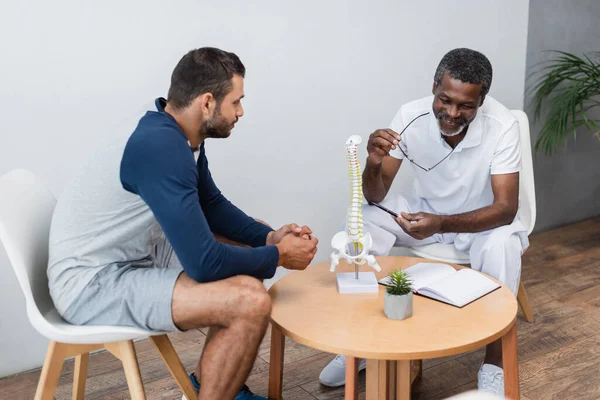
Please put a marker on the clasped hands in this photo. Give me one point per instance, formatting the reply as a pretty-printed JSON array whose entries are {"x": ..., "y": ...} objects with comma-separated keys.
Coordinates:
[{"x": 296, "y": 244}]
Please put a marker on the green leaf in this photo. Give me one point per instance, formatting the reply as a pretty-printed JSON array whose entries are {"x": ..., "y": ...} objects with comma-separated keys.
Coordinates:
[
  {"x": 567, "y": 87},
  {"x": 399, "y": 283}
]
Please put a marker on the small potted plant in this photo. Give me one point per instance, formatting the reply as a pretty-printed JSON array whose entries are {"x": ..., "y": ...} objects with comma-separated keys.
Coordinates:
[{"x": 398, "y": 300}]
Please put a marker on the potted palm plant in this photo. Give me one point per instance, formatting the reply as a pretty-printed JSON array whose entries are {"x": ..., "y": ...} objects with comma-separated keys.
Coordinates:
[
  {"x": 570, "y": 86},
  {"x": 398, "y": 300}
]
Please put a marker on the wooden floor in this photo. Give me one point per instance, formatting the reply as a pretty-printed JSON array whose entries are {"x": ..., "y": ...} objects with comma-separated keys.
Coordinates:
[{"x": 559, "y": 353}]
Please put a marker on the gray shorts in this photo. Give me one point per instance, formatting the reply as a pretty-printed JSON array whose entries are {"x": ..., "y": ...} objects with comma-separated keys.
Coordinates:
[{"x": 133, "y": 294}]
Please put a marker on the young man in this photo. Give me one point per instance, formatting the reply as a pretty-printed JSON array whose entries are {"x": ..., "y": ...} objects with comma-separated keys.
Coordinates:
[
  {"x": 113, "y": 228},
  {"x": 464, "y": 149}
]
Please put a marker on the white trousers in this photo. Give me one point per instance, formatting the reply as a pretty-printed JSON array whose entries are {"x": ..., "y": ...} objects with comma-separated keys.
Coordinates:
[{"x": 496, "y": 252}]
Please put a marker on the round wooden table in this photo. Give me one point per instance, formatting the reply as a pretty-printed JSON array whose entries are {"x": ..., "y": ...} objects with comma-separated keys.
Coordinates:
[{"x": 308, "y": 309}]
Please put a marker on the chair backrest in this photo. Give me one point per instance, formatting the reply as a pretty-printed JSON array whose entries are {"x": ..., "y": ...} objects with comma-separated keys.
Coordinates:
[
  {"x": 26, "y": 208},
  {"x": 527, "y": 208}
]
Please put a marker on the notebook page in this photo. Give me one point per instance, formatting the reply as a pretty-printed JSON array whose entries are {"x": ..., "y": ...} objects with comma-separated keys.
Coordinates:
[
  {"x": 424, "y": 274},
  {"x": 461, "y": 288}
]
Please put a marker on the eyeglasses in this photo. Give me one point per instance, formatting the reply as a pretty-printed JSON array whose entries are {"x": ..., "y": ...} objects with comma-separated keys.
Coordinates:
[{"x": 410, "y": 159}]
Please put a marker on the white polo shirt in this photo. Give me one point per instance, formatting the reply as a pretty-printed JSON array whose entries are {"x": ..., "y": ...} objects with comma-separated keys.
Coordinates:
[{"x": 462, "y": 182}]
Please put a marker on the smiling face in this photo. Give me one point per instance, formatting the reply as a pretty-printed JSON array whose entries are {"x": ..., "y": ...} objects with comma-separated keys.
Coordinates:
[
  {"x": 455, "y": 104},
  {"x": 227, "y": 112}
]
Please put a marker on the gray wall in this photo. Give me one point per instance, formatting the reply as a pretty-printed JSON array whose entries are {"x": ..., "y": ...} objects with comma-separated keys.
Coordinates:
[{"x": 568, "y": 182}]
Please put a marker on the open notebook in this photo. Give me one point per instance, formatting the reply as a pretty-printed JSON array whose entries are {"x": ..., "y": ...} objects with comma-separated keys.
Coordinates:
[{"x": 444, "y": 283}]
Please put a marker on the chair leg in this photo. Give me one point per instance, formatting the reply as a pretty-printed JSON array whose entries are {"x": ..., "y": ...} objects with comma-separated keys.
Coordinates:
[
  {"x": 125, "y": 351},
  {"x": 523, "y": 301},
  {"x": 53, "y": 364},
  {"x": 80, "y": 375},
  {"x": 171, "y": 359}
]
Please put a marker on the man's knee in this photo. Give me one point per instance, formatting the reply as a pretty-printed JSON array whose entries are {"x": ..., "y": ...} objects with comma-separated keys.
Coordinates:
[
  {"x": 505, "y": 239},
  {"x": 252, "y": 293},
  {"x": 219, "y": 303},
  {"x": 513, "y": 245},
  {"x": 243, "y": 281},
  {"x": 259, "y": 304},
  {"x": 499, "y": 255}
]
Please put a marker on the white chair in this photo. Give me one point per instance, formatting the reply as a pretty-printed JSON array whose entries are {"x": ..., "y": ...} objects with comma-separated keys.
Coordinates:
[
  {"x": 26, "y": 208},
  {"x": 527, "y": 211}
]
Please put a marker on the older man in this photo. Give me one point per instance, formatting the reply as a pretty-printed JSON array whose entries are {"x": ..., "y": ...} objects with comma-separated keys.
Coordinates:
[{"x": 464, "y": 149}]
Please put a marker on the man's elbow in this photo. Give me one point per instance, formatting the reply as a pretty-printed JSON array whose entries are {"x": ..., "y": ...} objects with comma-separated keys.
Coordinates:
[
  {"x": 206, "y": 266},
  {"x": 202, "y": 276},
  {"x": 509, "y": 213},
  {"x": 207, "y": 269},
  {"x": 197, "y": 274}
]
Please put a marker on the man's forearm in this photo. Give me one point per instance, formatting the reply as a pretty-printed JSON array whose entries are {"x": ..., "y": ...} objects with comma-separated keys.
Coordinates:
[
  {"x": 373, "y": 187},
  {"x": 228, "y": 221},
  {"x": 483, "y": 219}
]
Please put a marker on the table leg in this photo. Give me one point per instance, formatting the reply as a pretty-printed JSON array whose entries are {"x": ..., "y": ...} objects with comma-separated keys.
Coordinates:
[
  {"x": 403, "y": 380},
  {"x": 391, "y": 379},
  {"x": 372, "y": 379},
  {"x": 276, "y": 363},
  {"x": 416, "y": 370},
  {"x": 511, "y": 363},
  {"x": 351, "y": 390},
  {"x": 381, "y": 380}
]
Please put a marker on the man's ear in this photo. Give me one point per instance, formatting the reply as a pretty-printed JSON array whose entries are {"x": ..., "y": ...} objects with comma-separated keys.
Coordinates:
[
  {"x": 433, "y": 88},
  {"x": 206, "y": 102},
  {"x": 481, "y": 100}
]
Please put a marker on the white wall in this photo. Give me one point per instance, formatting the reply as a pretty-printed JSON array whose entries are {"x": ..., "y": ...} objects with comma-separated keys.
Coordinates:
[{"x": 318, "y": 72}]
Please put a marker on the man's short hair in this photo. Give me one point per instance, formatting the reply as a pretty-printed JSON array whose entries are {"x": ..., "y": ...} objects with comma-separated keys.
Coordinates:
[
  {"x": 204, "y": 70},
  {"x": 468, "y": 66}
]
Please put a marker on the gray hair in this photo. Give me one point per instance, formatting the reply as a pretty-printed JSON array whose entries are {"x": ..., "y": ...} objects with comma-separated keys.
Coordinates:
[{"x": 468, "y": 66}]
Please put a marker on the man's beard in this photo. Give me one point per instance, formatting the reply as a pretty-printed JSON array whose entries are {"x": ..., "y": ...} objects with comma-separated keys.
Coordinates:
[
  {"x": 461, "y": 122},
  {"x": 217, "y": 127}
]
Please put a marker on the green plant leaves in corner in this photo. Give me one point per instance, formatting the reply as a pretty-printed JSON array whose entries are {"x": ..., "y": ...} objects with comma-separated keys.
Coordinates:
[
  {"x": 399, "y": 283},
  {"x": 570, "y": 87}
]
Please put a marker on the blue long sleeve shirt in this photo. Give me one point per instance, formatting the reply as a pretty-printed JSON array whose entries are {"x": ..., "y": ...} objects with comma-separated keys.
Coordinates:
[{"x": 158, "y": 165}]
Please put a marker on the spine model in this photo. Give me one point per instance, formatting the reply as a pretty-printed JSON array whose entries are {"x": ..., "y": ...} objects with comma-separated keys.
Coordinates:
[
  {"x": 355, "y": 222},
  {"x": 353, "y": 237}
]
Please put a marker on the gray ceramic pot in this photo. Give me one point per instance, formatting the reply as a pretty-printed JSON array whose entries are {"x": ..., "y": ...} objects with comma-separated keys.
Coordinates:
[{"x": 398, "y": 307}]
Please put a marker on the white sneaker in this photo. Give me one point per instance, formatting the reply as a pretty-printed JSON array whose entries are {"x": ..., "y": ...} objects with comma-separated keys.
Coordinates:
[
  {"x": 334, "y": 374},
  {"x": 490, "y": 379}
]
